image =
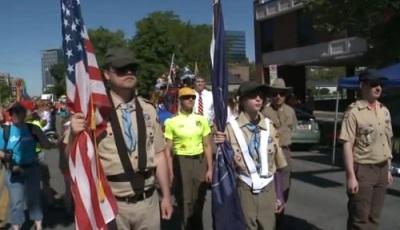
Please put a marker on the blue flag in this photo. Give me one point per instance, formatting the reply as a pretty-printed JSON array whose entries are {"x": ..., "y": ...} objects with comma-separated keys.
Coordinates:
[{"x": 226, "y": 207}]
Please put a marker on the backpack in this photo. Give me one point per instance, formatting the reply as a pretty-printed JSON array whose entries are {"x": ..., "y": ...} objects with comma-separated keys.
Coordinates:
[{"x": 7, "y": 129}]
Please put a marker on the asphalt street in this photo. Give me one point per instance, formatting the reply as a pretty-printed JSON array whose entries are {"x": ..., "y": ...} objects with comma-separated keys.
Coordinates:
[{"x": 317, "y": 199}]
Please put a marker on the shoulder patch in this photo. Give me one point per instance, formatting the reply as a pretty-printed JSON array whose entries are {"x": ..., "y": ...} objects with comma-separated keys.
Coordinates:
[{"x": 345, "y": 115}]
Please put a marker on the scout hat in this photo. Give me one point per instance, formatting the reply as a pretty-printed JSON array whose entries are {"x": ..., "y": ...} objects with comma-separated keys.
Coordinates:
[
  {"x": 279, "y": 86},
  {"x": 120, "y": 57},
  {"x": 371, "y": 75},
  {"x": 250, "y": 87},
  {"x": 186, "y": 91}
]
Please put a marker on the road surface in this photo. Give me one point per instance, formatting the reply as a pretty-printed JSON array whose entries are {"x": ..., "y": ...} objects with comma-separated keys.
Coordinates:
[{"x": 317, "y": 199}]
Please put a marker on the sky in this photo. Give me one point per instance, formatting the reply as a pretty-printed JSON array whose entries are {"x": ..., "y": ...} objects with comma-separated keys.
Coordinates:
[{"x": 29, "y": 26}]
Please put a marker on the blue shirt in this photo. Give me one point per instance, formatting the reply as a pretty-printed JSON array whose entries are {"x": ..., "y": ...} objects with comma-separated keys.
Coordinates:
[
  {"x": 163, "y": 114},
  {"x": 23, "y": 144}
]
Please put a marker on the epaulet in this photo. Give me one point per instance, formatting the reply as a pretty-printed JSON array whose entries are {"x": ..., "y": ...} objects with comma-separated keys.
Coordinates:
[
  {"x": 149, "y": 102},
  {"x": 351, "y": 106}
]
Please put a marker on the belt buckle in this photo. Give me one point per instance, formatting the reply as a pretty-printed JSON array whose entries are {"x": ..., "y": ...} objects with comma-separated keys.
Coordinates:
[{"x": 131, "y": 199}]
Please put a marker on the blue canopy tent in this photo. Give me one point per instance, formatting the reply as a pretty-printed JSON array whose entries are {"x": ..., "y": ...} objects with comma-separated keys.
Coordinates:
[{"x": 391, "y": 72}]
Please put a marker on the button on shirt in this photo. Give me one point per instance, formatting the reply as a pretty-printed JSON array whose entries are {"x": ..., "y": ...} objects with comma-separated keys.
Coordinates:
[
  {"x": 208, "y": 105},
  {"x": 369, "y": 131}
]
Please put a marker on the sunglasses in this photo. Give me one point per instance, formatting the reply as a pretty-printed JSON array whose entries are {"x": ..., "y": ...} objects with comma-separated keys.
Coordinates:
[
  {"x": 120, "y": 71},
  {"x": 374, "y": 84},
  {"x": 254, "y": 95},
  {"x": 281, "y": 94},
  {"x": 188, "y": 97}
]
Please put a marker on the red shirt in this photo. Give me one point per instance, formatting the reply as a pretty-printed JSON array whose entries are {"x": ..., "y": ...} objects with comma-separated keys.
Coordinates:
[{"x": 7, "y": 117}]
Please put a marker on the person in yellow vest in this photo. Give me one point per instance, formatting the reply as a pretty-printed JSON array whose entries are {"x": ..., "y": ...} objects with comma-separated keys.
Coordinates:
[{"x": 189, "y": 134}]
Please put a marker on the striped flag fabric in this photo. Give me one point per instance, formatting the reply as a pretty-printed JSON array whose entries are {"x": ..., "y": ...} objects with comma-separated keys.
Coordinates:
[
  {"x": 94, "y": 202},
  {"x": 226, "y": 207}
]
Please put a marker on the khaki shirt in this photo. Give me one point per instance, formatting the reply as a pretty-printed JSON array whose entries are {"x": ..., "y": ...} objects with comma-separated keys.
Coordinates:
[
  {"x": 276, "y": 159},
  {"x": 369, "y": 131},
  {"x": 108, "y": 152},
  {"x": 284, "y": 120}
]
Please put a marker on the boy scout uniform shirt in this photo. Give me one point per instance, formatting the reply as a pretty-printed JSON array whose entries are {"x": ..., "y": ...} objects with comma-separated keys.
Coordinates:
[
  {"x": 369, "y": 131},
  {"x": 276, "y": 159},
  {"x": 284, "y": 120},
  {"x": 155, "y": 144}
]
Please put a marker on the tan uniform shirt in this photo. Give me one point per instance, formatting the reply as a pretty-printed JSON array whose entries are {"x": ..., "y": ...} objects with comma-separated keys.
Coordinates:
[
  {"x": 109, "y": 154},
  {"x": 370, "y": 132},
  {"x": 284, "y": 120},
  {"x": 276, "y": 159}
]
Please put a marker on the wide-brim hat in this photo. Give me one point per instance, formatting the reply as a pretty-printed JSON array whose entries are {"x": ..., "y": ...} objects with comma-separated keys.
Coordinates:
[
  {"x": 250, "y": 87},
  {"x": 120, "y": 57},
  {"x": 279, "y": 85}
]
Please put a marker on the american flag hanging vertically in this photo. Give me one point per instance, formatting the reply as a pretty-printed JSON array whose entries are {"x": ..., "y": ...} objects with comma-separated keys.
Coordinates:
[{"x": 95, "y": 204}]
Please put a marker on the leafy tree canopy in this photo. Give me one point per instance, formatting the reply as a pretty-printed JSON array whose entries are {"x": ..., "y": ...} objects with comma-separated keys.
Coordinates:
[
  {"x": 377, "y": 21},
  {"x": 57, "y": 71},
  {"x": 103, "y": 39},
  {"x": 5, "y": 91}
]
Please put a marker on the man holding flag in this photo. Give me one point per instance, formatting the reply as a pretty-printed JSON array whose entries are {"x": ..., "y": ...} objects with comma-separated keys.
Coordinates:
[{"x": 113, "y": 150}]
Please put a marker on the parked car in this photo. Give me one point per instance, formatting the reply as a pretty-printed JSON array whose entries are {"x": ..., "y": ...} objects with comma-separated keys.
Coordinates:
[{"x": 306, "y": 131}]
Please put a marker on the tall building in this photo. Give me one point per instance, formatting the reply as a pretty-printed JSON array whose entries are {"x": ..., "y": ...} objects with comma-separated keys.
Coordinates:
[
  {"x": 285, "y": 37},
  {"x": 49, "y": 58},
  {"x": 237, "y": 45},
  {"x": 10, "y": 82}
]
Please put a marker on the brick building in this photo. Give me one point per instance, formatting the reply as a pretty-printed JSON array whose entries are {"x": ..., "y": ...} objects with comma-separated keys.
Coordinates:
[{"x": 285, "y": 37}]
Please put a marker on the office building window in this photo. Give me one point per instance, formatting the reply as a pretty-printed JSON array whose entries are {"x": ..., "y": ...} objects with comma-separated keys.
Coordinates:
[
  {"x": 305, "y": 30},
  {"x": 267, "y": 35}
]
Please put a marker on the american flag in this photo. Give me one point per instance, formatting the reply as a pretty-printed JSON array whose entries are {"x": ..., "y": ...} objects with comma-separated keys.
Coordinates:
[{"x": 94, "y": 202}]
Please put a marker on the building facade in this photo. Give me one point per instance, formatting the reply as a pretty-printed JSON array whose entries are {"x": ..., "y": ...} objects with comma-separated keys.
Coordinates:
[
  {"x": 285, "y": 37},
  {"x": 10, "y": 81},
  {"x": 49, "y": 58},
  {"x": 237, "y": 46}
]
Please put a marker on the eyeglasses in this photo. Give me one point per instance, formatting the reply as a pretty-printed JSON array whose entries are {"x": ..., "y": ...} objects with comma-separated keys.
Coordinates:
[
  {"x": 121, "y": 71},
  {"x": 188, "y": 97}
]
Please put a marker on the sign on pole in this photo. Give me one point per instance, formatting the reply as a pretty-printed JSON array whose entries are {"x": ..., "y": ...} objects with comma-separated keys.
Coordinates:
[{"x": 273, "y": 73}]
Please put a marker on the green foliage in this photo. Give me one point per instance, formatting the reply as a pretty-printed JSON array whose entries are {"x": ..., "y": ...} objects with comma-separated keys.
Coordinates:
[
  {"x": 153, "y": 46},
  {"x": 321, "y": 74},
  {"x": 324, "y": 91},
  {"x": 57, "y": 71},
  {"x": 161, "y": 34},
  {"x": 5, "y": 91},
  {"x": 103, "y": 39},
  {"x": 252, "y": 71},
  {"x": 377, "y": 21}
]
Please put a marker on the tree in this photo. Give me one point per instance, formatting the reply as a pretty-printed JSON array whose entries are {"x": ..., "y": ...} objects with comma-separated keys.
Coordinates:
[
  {"x": 5, "y": 91},
  {"x": 153, "y": 46},
  {"x": 376, "y": 21},
  {"x": 57, "y": 71},
  {"x": 103, "y": 39}
]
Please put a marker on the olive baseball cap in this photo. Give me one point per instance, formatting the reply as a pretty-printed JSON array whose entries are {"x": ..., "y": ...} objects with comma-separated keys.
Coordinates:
[
  {"x": 120, "y": 57},
  {"x": 250, "y": 87},
  {"x": 371, "y": 75},
  {"x": 186, "y": 91}
]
